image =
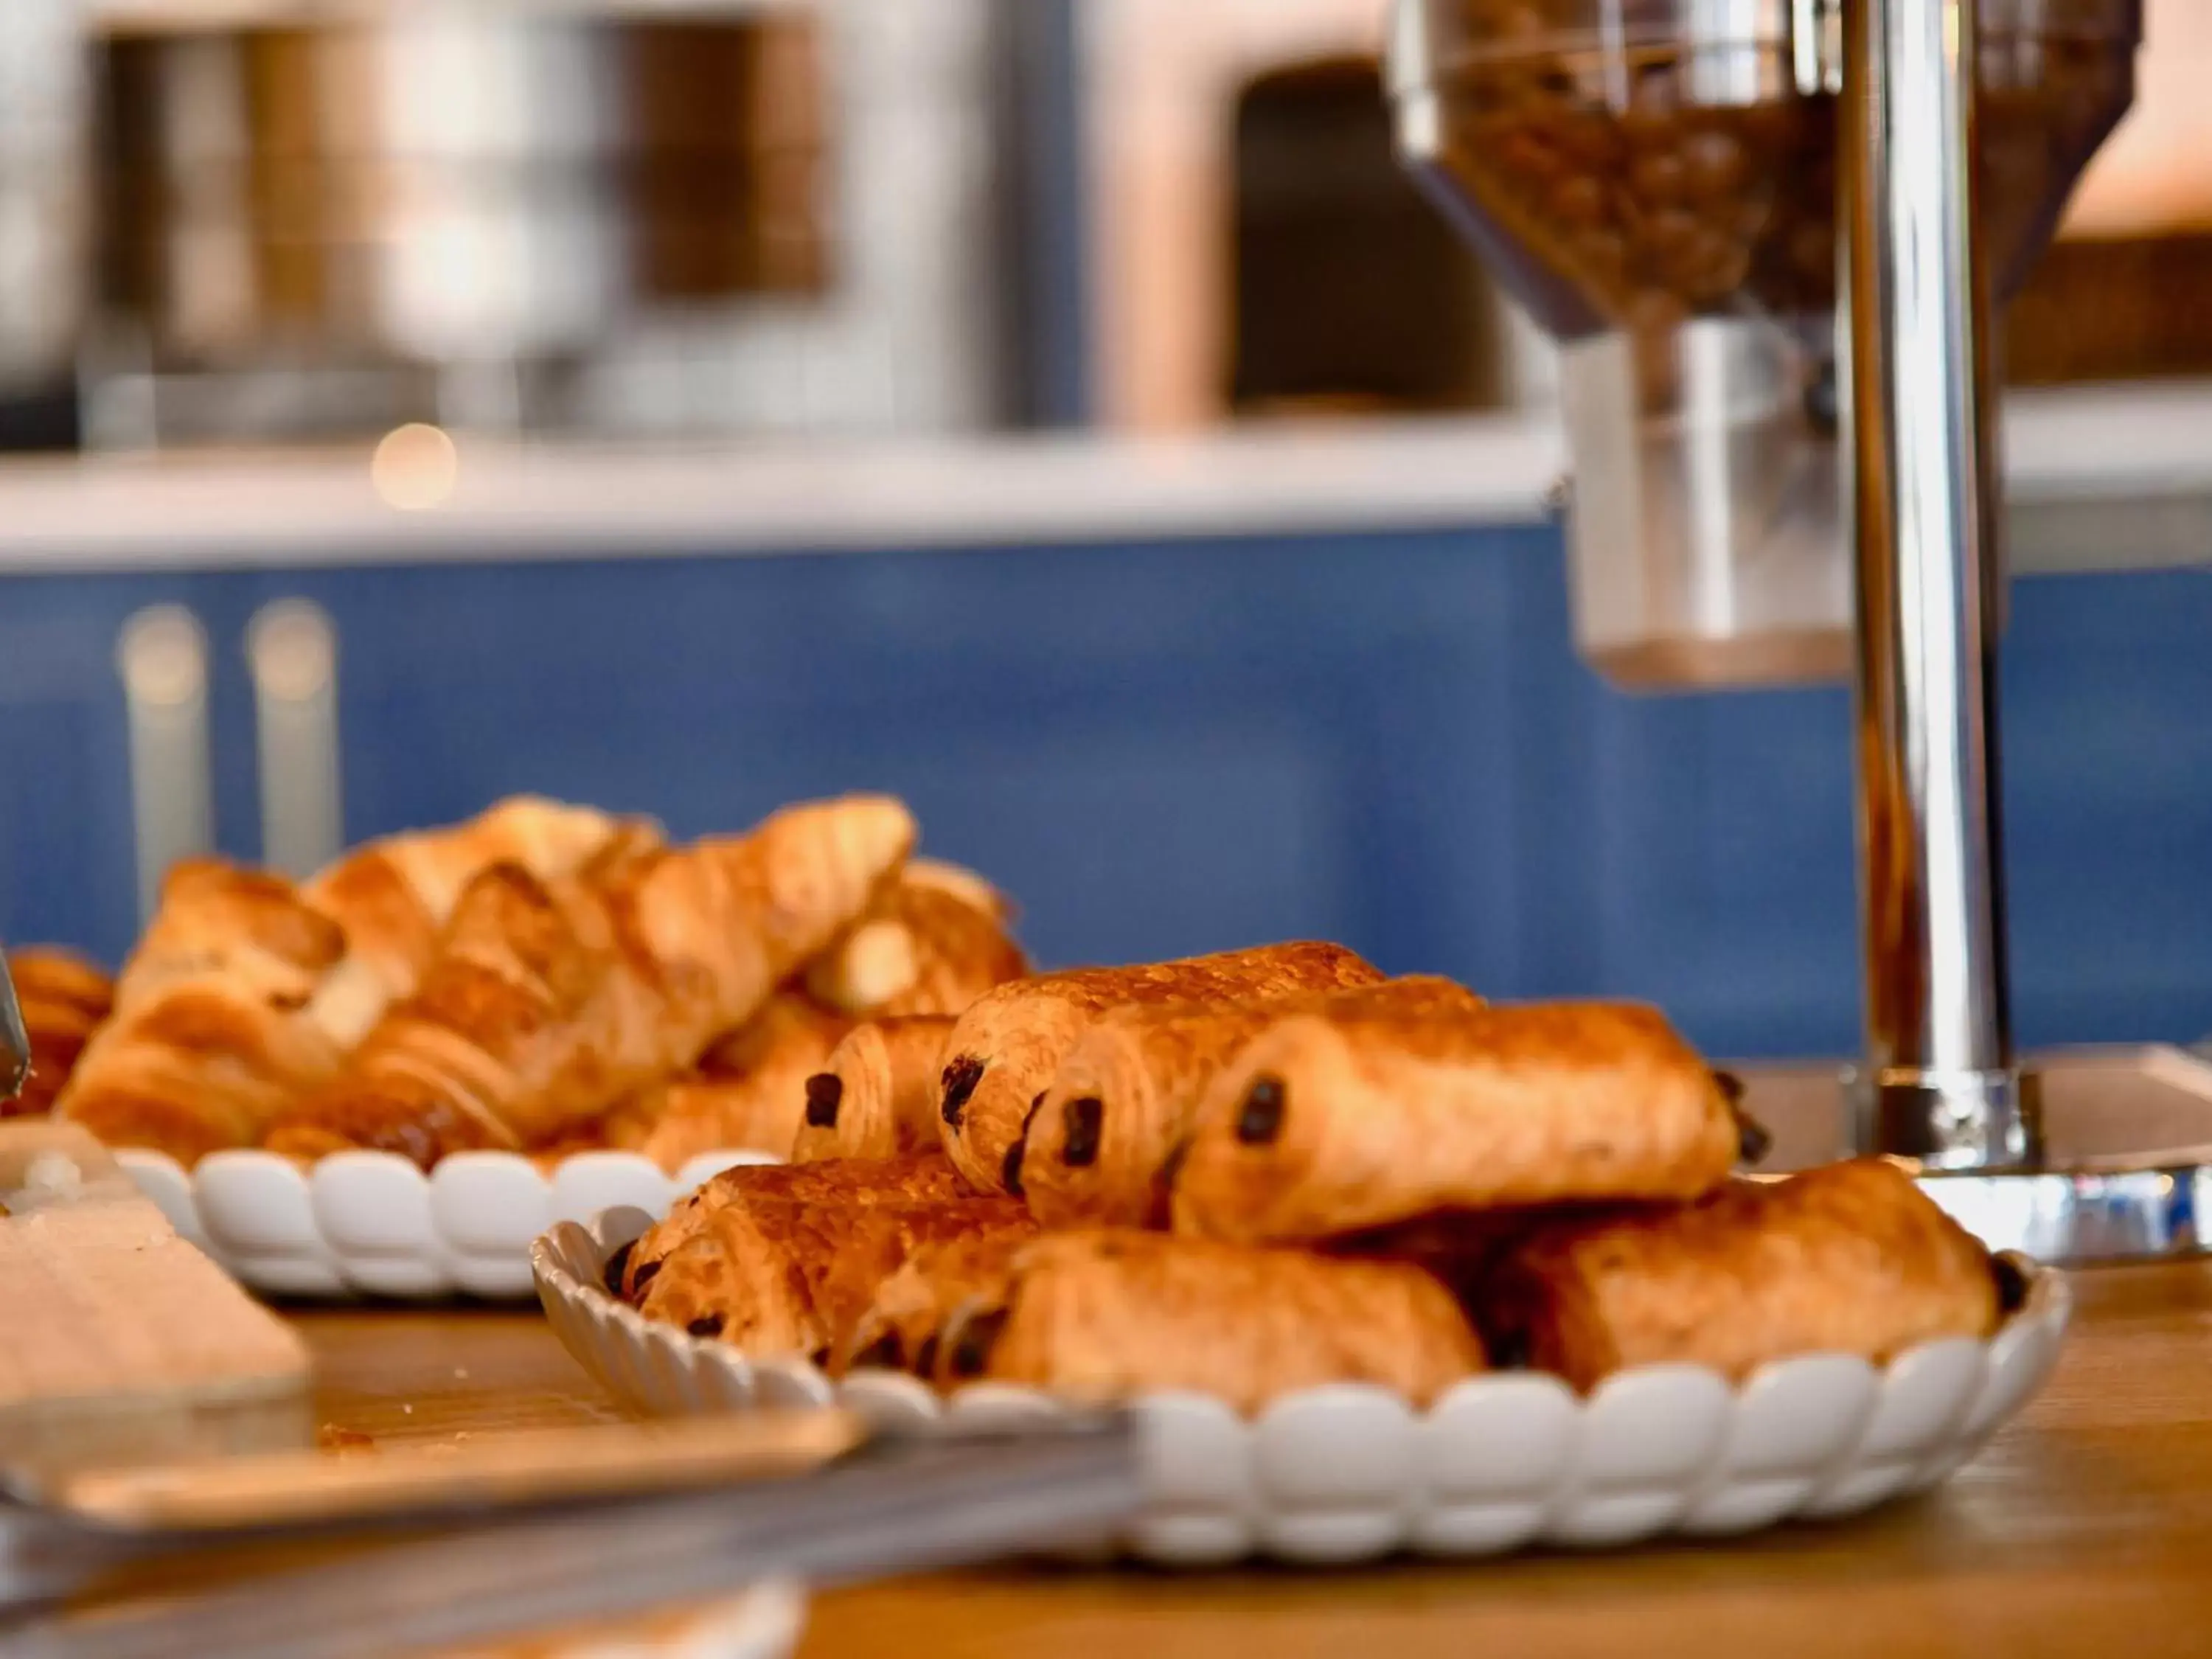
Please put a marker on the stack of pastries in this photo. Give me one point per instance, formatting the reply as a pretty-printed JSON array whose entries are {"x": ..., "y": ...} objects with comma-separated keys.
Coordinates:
[
  {"x": 542, "y": 978},
  {"x": 1251, "y": 1173}
]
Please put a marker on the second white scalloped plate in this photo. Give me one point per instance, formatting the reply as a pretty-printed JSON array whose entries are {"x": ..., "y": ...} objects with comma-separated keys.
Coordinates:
[
  {"x": 1350, "y": 1472},
  {"x": 371, "y": 1224}
]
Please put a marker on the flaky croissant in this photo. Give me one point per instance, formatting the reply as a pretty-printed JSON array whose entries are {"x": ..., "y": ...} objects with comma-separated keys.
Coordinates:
[
  {"x": 934, "y": 941},
  {"x": 64, "y": 998},
  {"x": 210, "y": 1039},
  {"x": 394, "y": 895},
  {"x": 549, "y": 1002}
]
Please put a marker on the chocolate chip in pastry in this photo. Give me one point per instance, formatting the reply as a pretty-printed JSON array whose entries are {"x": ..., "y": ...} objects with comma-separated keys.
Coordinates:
[
  {"x": 844, "y": 1184},
  {"x": 1006, "y": 1047},
  {"x": 790, "y": 1279},
  {"x": 1104, "y": 1316},
  {"x": 747, "y": 1094},
  {"x": 1128, "y": 1091},
  {"x": 877, "y": 1094},
  {"x": 1324, "y": 1126},
  {"x": 903, "y": 1324},
  {"x": 1852, "y": 1258}
]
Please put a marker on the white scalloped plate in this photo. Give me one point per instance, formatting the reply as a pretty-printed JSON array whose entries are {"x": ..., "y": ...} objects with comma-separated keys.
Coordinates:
[
  {"x": 1350, "y": 1473},
  {"x": 370, "y": 1224}
]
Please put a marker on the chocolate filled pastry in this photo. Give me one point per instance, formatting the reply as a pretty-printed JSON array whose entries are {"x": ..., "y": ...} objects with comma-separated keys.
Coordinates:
[
  {"x": 1104, "y": 1316},
  {"x": 1326, "y": 1126},
  {"x": 903, "y": 1326},
  {"x": 1002, "y": 1055},
  {"x": 845, "y": 1185},
  {"x": 1125, "y": 1097},
  {"x": 1852, "y": 1258},
  {"x": 791, "y": 1279},
  {"x": 877, "y": 1094},
  {"x": 748, "y": 1092}
]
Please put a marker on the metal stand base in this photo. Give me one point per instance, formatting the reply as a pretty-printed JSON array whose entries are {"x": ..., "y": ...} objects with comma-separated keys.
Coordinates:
[{"x": 2127, "y": 1155}]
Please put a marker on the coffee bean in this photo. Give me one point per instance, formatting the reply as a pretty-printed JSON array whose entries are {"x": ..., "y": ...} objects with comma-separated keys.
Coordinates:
[
  {"x": 1579, "y": 202},
  {"x": 1660, "y": 176},
  {"x": 705, "y": 1325},
  {"x": 824, "y": 1091},
  {"x": 1714, "y": 168},
  {"x": 1261, "y": 1119},
  {"x": 644, "y": 1277},
  {"x": 960, "y": 1080},
  {"x": 1085, "y": 1120}
]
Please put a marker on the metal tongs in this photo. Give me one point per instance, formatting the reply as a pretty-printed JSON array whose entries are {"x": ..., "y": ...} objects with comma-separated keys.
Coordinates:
[
  {"x": 15, "y": 1041},
  {"x": 137, "y": 1565}
]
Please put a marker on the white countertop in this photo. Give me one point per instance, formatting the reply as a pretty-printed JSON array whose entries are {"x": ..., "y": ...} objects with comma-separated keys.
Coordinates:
[{"x": 2097, "y": 478}]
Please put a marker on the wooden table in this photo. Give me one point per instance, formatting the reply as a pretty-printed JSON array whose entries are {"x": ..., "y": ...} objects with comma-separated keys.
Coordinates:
[{"x": 2086, "y": 1528}]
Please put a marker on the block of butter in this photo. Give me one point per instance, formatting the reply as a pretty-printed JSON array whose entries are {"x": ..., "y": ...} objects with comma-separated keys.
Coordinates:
[{"x": 119, "y": 1341}]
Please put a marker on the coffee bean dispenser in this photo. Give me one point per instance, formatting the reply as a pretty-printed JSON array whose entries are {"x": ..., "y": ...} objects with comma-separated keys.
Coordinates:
[
  {"x": 1769, "y": 236},
  {"x": 1656, "y": 181}
]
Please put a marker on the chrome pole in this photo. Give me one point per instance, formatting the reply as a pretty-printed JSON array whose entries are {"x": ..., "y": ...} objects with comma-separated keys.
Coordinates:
[{"x": 1939, "y": 1084}]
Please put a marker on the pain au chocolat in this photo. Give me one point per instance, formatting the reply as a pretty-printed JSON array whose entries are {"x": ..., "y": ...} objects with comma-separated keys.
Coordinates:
[
  {"x": 1100, "y": 1145},
  {"x": 1326, "y": 1125},
  {"x": 876, "y": 1095},
  {"x": 1108, "y": 1315},
  {"x": 1003, "y": 1053},
  {"x": 836, "y": 1188},
  {"x": 1852, "y": 1258}
]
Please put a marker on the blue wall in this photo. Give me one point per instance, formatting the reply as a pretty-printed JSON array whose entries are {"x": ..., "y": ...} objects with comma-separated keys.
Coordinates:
[{"x": 1168, "y": 748}]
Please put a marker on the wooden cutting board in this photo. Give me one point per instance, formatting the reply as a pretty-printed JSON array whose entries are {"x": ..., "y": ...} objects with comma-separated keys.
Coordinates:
[{"x": 119, "y": 1341}]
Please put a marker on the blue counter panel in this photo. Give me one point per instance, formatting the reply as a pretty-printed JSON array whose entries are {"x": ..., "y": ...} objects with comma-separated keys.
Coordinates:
[{"x": 1172, "y": 747}]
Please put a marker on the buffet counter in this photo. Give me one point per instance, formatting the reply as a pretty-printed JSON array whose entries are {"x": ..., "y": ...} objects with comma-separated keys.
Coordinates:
[
  {"x": 2082, "y": 1529},
  {"x": 2100, "y": 478}
]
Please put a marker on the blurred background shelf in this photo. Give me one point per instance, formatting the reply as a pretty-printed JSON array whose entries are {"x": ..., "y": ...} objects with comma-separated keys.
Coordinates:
[{"x": 1190, "y": 489}]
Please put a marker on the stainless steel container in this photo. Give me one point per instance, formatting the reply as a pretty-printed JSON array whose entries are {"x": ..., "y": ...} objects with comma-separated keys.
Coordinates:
[
  {"x": 586, "y": 216},
  {"x": 1656, "y": 180}
]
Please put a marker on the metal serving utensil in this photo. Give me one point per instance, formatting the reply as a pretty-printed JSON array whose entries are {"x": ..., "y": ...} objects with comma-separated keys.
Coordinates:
[{"x": 15, "y": 1041}]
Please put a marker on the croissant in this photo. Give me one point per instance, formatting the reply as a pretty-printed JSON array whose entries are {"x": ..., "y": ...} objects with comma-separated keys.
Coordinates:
[
  {"x": 1852, "y": 1258},
  {"x": 1001, "y": 1056},
  {"x": 933, "y": 942},
  {"x": 63, "y": 998},
  {"x": 1328, "y": 1125},
  {"x": 208, "y": 1040},
  {"x": 749, "y": 1091},
  {"x": 1097, "y": 1153},
  {"x": 842, "y": 1186},
  {"x": 1101, "y": 1317},
  {"x": 394, "y": 895},
  {"x": 876, "y": 1095},
  {"x": 550, "y": 1002}
]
